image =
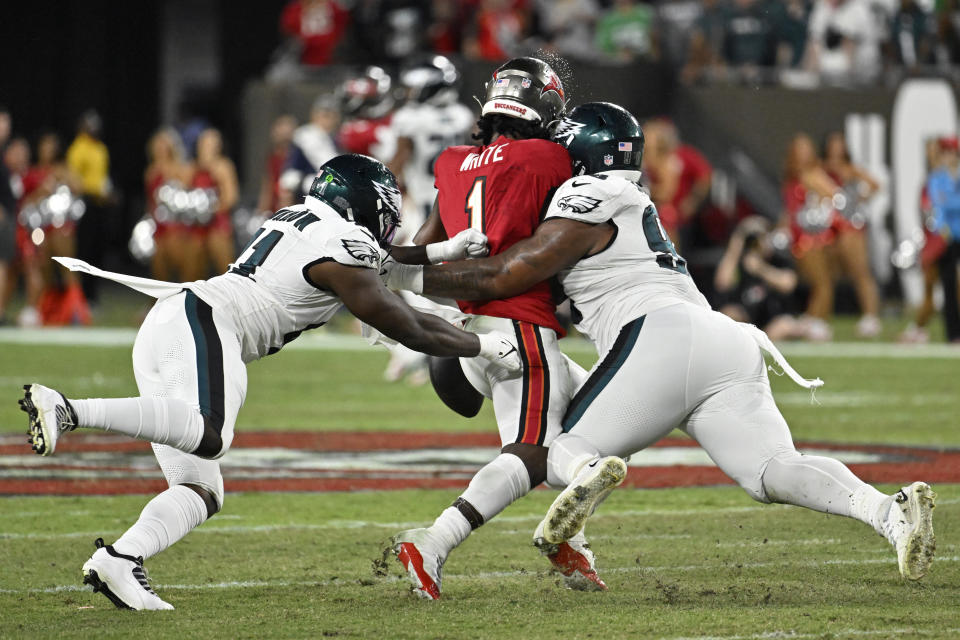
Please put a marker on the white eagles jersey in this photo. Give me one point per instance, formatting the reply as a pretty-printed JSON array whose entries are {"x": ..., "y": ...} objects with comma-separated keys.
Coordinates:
[
  {"x": 432, "y": 129},
  {"x": 266, "y": 292},
  {"x": 638, "y": 272}
]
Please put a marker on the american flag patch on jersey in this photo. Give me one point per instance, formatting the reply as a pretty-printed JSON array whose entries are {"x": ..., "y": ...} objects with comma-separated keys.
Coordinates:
[{"x": 625, "y": 146}]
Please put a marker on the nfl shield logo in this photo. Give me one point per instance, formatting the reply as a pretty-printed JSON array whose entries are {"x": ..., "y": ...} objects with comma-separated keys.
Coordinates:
[
  {"x": 525, "y": 83},
  {"x": 608, "y": 160}
]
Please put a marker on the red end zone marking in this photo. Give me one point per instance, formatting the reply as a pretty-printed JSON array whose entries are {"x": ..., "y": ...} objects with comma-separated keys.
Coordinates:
[{"x": 898, "y": 464}]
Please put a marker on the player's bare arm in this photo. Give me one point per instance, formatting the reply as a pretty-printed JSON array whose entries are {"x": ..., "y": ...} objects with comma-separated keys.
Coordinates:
[
  {"x": 557, "y": 244},
  {"x": 432, "y": 230},
  {"x": 362, "y": 292}
]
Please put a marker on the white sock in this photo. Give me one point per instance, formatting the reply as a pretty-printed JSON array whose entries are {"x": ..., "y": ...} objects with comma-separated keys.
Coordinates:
[
  {"x": 568, "y": 453},
  {"x": 451, "y": 528},
  {"x": 870, "y": 506},
  {"x": 167, "y": 518},
  {"x": 492, "y": 489},
  {"x": 822, "y": 484},
  {"x": 162, "y": 420}
]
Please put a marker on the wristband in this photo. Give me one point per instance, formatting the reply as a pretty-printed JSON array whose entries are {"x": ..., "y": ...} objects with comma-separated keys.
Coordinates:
[{"x": 437, "y": 252}]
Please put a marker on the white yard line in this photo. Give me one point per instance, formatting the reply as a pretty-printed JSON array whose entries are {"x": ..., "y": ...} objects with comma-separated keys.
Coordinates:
[
  {"x": 326, "y": 341},
  {"x": 490, "y": 575}
]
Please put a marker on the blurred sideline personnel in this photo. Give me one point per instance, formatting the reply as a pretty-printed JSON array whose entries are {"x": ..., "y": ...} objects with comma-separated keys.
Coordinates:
[
  {"x": 367, "y": 103},
  {"x": 191, "y": 352},
  {"x": 430, "y": 121},
  {"x": 755, "y": 282},
  {"x": 499, "y": 188},
  {"x": 88, "y": 159},
  {"x": 8, "y": 218},
  {"x": 312, "y": 146},
  {"x": 944, "y": 192},
  {"x": 667, "y": 360},
  {"x": 679, "y": 177},
  {"x": 60, "y": 300},
  {"x": 934, "y": 245},
  {"x": 281, "y": 141}
]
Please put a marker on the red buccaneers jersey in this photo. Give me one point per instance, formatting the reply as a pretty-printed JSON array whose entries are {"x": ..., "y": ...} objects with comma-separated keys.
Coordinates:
[
  {"x": 501, "y": 189},
  {"x": 369, "y": 137}
]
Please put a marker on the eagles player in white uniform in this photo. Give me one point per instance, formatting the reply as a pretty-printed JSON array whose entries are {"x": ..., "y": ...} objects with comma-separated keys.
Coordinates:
[
  {"x": 191, "y": 351},
  {"x": 666, "y": 359},
  {"x": 430, "y": 120}
]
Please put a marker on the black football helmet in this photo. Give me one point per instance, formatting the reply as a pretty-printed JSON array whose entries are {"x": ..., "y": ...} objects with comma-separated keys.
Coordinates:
[
  {"x": 431, "y": 80},
  {"x": 362, "y": 190},
  {"x": 526, "y": 88},
  {"x": 368, "y": 95},
  {"x": 601, "y": 136}
]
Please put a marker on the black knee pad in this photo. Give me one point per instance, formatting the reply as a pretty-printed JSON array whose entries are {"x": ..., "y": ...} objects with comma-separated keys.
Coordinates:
[
  {"x": 534, "y": 458},
  {"x": 453, "y": 388},
  {"x": 208, "y": 499},
  {"x": 211, "y": 443}
]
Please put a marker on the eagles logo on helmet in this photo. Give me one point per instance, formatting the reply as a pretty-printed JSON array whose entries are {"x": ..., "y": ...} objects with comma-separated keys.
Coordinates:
[
  {"x": 601, "y": 136},
  {"x": 362, "y": 190}
]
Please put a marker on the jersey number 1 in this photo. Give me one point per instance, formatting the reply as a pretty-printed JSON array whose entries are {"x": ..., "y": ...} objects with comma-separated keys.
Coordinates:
[{"x": 476, "y": 200}]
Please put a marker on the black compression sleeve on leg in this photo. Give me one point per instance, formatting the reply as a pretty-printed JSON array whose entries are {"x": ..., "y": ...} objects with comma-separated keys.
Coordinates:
[{"x": 469, "y": 512}]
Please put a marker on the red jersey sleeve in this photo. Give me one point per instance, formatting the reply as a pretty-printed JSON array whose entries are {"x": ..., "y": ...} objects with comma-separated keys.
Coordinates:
[{"x": 501, "y": 189}]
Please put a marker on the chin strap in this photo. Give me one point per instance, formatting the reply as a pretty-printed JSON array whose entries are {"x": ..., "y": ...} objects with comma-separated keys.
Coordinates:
[{"x": 763, "y": 341}]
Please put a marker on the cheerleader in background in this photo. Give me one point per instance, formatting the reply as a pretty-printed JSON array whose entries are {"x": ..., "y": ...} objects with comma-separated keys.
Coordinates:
[
  {"x": 211, "y": 239},
  {"x": 54, "y": 294},
  {"x": 816, "y": 227},
  {"x": 851, "y": 242},
  {"x": 166, "y": 169}
]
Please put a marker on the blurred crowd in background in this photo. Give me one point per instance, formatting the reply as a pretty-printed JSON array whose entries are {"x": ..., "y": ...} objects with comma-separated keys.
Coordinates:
[
  {"x": 779, "y": 273},
  {"x": 797, "y": 42}
]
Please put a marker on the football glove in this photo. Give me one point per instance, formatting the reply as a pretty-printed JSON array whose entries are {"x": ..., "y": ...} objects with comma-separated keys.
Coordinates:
[
  {"x": 396, "y": 276},
  {"x": 469, "y": 243},
  {"x": 500, "y": 348}
]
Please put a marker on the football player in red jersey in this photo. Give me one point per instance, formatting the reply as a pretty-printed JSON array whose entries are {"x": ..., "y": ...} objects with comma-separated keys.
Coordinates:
[
  {"x": 500, "y": 188},
  {"x": 367, "y": 104}
]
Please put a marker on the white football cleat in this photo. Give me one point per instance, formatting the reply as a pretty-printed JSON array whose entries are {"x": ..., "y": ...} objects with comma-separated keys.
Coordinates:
[
  {"x": 909, "y": 528},
  {"x": 423, "y": 560},
  {"x": 573, "y": 559},
  {"x": 50, "y": 415},
  {"x": 568, "y": 513},
  {"x": 577, "y": 502},
  {"x": 122, "y": 579}
]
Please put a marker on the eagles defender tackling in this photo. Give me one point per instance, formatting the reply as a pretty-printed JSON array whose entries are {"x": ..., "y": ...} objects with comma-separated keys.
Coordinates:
[
  {"x": 666, "y": 359},
  {"x": 190, "y": 354}
]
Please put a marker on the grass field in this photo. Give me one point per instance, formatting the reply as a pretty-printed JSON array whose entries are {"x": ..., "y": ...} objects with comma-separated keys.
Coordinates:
[{"x": 681, "y": 563}]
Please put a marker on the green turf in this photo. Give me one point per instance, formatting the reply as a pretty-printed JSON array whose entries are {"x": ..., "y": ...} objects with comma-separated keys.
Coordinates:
[
  {"x": 678, "y": 562},
  {"x": 881, "y": 400}
]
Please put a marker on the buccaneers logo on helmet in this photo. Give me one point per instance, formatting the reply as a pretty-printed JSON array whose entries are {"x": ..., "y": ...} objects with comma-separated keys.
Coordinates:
[{"x": 553, "y": 85}]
